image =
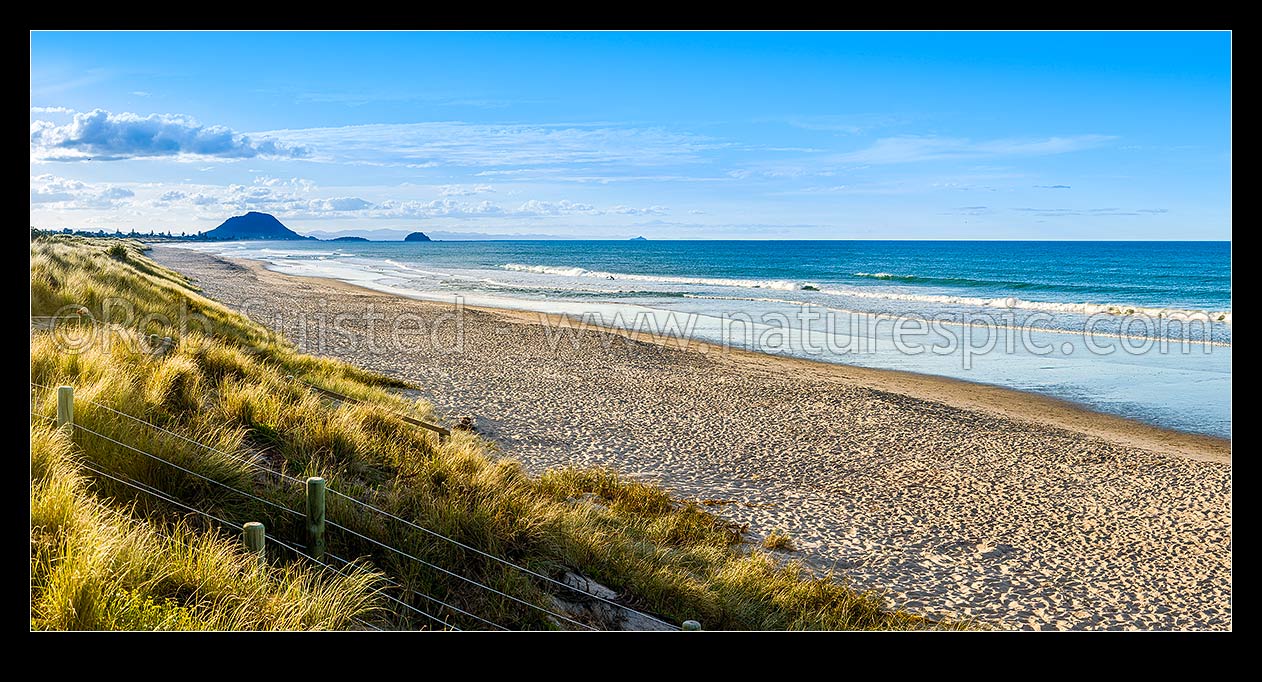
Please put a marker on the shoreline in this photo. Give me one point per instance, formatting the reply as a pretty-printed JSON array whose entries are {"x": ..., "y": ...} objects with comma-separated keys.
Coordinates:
[
  {"x": 950, "y": 498},
  {"x": 992, "y": 398}
]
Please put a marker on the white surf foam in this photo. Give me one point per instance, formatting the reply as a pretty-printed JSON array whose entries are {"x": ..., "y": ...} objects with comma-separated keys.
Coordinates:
[
  {"x": 1078, "y": 308},
  {"x": 778, "y": 284}
]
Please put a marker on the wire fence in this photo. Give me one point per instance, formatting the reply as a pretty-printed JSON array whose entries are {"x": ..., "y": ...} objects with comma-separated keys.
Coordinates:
[
  {"x": 586, "y": 595},
  {"x": 150, "y": 490},
  {"x": 199, "y": 444},
  {"x": 131, "y": 483},
  {"x": 392, "y": 598},
  {"x": 256, "y": 498},
  {"x": 166, "y": 498},
  {"x": 505, "y": 562},
  {"x": 330, "y": 523},
  {"x": 427, "y": 597},
  {"x": 137, "y": 485},
  {"x": 457, "y": 576}
]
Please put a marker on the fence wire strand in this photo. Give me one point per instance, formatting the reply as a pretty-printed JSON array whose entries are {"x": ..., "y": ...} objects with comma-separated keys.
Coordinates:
[
  {"x": 453, "y": 574},
  {"x": 165, "y": 498},
  {"x": 392, "y": 598},
  {"x": 498, "y": 559},
  {"x": 200, "y": 444},
  {"x": 80, "y": 427},
  {"x": 418, "y": 593},
  {"x": 585, "y": 594},
  {"x": 146, "y": 489}
]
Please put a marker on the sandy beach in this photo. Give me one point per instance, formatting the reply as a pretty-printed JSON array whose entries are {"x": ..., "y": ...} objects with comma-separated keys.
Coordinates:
[{"x": 954, "y": 499}]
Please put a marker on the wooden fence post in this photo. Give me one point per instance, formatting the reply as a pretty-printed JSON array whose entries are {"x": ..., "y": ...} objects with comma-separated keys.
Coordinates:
[
  {"x": 691, "y": 626},
  {"x": 255, "y": 536},
  {"x": 65, "y": 406},
  {"x": 315, "y": 517}
]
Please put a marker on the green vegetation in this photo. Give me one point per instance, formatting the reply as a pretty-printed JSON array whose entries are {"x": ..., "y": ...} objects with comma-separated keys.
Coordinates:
[{"x": 105, "y": 555}]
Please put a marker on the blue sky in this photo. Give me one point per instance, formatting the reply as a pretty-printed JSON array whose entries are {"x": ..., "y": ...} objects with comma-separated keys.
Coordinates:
[{"x": 669, "y": 135}]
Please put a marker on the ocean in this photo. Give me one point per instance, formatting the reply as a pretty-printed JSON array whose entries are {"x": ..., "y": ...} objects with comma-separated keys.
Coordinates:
[{"x": 1139, "y": 329}]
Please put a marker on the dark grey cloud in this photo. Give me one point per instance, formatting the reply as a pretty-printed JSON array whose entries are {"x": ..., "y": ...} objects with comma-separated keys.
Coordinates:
[{"x": 104, "y": 136}]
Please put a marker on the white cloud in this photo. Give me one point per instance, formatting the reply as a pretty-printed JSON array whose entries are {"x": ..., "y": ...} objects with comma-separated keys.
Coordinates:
[
  {"x": 564, "y": 207},
  {"x": 51, "y": 110},
  {"x": 464, "y": 190},
  {"x": 279, "y": 198},
  {"x": 1090, "y": 212},
  {"x": 778, "y": 171},
  {"x": 291, "y": 198},
  {"x": 63, "y": 193},
  {"x": 631, "y": 210},
  {"x": 338, "y": 205},
  {"x": 909, "y": 149},
  {"x": 106, "y": 136},
  {"x": 498, "y": 146},
  {"x": 117, "y": 193},
  {"x": 850, "y": 125},
  {"x": 438, "y": 208},
  {"x": 300, "y": 184},
  {"x": 268, "y": 194},
  {"x": 535, "y": 207}
]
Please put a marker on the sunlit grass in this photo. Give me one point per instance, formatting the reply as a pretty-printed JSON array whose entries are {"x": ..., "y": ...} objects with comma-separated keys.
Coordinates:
[
  {"x": 227, "y": 385},
  {"x": 777, "y": 540},
  {"x": 95, "y": 565}
]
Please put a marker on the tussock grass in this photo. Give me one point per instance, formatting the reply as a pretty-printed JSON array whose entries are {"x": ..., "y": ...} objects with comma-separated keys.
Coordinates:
[
  {"x": 778, "y": 541},
  {"x": 226, "y": 386},
  {"x": 96, "y": 565}
]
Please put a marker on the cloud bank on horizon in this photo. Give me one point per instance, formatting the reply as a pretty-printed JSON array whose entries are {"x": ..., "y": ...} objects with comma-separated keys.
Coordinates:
[{"x": 581, "y": 159}]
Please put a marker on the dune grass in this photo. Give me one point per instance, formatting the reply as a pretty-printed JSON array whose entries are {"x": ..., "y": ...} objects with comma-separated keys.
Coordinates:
[
  {"x": 778, "y": 541},
  {"x": 99, "y": 566},
  {"x": 225, "y": 385}
]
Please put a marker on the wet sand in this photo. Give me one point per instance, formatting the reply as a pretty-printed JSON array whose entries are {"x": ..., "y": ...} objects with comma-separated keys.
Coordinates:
[{"x": 953, "y": 498}]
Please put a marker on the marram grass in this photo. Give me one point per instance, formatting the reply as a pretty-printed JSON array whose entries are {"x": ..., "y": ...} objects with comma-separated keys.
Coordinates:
[
  {"x": 96, "y": 565},
  {"x": 105, "y": 556}
]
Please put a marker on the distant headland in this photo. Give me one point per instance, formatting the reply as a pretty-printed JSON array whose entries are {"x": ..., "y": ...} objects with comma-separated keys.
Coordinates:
[
  {"x": 252, "y": 225},
  {"x": 259, "y": 226}
]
